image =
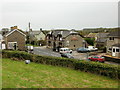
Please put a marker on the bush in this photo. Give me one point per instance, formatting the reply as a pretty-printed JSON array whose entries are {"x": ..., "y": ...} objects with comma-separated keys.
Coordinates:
[
  {"x": 111, "y": 71},
  {"x": 90, "y": 41}
]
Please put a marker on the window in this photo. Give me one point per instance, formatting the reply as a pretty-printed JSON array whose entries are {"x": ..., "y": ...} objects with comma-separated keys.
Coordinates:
[
  {"x": 110, "y": 49},
  {"x": 113, "y": 50},
  {"x": 117, "y": 50},
  {"x": 111, "y": 38}
]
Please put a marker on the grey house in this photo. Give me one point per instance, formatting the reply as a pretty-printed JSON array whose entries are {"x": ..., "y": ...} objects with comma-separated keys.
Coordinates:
[
  {"x": 37, "y": 35},
  {"x": 113, "y": 43},
  {"x": 64, "y": 38},
  {"x": 101, "y": 39}
]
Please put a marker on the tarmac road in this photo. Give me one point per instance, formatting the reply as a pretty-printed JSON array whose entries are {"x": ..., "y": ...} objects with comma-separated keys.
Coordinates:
[{"x": 48, "y": 52}]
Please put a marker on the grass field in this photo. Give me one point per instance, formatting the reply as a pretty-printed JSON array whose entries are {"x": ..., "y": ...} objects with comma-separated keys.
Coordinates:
[{"x": 17, "y": 74}]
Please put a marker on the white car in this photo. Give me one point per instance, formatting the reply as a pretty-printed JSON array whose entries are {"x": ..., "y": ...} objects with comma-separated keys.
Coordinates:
[
  {"x": 92, "y": 48},
  {"x": 65, "y": 50}
]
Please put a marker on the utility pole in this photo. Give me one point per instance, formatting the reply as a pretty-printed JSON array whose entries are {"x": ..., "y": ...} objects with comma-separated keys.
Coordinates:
[
  {"x": 29, "y": 26},
  {"x": 29, "y": 33}
]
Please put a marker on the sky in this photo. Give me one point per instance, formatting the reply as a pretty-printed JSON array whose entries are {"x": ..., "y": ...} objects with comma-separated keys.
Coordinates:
[{"x": 59, "y": 14}]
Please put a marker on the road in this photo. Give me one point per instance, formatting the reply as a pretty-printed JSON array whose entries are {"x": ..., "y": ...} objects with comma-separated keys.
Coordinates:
[
  {"x": 45, "y": 51},
  {"x": 48, "y": 52}
]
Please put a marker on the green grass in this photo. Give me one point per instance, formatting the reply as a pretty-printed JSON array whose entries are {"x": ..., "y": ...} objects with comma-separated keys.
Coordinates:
[{"x": 17, "y": 74}]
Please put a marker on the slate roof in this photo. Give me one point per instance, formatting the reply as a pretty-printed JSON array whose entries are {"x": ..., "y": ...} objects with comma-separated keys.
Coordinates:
[
  {"x": 114, "y": 34},
  {"x": 35, "y": 32},
  {"x": 102, "y": 37},
  {"x": 64, "y": 33},
  {"x": 116, "y": 45},
  {"x": 91, "y": 35},
  {"x": 10, "y": 32}
]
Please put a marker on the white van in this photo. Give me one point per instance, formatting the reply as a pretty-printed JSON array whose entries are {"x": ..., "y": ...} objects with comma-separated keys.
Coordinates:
[{"x": 65, "y": 50}]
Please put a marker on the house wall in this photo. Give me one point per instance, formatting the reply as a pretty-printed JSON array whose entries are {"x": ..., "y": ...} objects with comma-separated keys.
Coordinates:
[
  {"x": 16, "y": 37},
  {"x": 49, "y": 39},
  {"x": 73, "y": 44},
  {"x": 41, "y": 36},
  {"x": 66, "y": 42}
]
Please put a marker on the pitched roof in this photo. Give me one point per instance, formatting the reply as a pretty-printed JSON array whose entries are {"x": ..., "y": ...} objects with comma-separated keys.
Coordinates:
[
  {"x": 91, "y": 35},
  {"x": 36, "y": 32},
  {"x": 7, "y": 34},
  {"x": 114, "y": 34},
  {"x": 102, "y": 34},
  {"x": 64, "y": 33},
  {"x": 102, "y": 37},
  {"x": 116, "y": 45}
]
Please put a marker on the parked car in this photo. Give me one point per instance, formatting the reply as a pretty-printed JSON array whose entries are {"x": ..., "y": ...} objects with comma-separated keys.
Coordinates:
[
  {"x": 82, "y": 50},
  {"x": 92, "y": 48},
  {"x": 66, "y": 55},
  {"x": 97, "y": 58},
  {"x": 65, "y": 50}
]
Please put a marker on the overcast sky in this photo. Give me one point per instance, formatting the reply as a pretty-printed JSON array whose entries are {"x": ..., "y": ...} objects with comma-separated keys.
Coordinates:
[{"x": 59, "y": 15}]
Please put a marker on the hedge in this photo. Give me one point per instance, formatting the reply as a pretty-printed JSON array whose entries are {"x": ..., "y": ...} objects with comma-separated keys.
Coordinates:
[
  {"x": 111, "y": 71},
  {"x": 116, "y": 60}
]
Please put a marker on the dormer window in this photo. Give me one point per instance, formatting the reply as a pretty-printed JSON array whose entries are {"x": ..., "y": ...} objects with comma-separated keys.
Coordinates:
[{"x": 111, "y": 38}]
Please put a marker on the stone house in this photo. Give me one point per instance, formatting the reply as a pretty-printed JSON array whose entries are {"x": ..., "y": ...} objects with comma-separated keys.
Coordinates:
[
  {"x": 37, "y": 35},
  {"x": 64, "y": 38},
  {"x": 113, "y": 43},
  {"x": 15, "y": 39},
  {"x": 101, "y": 39}
]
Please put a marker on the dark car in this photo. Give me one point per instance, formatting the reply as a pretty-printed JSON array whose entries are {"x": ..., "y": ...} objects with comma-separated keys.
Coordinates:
[
  {"x": 97, "y": 58},
  {"x": 82, "y": 50},
  {"x": 66, "y": 55}
]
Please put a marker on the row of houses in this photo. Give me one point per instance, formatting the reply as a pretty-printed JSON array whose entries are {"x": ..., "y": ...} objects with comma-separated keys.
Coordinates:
[
  {"x": 111, "y": 41},
  {"x": 65, "y": 38},
  {"x": 55, "y": 39},
  {"x": 16, "y": 38}
]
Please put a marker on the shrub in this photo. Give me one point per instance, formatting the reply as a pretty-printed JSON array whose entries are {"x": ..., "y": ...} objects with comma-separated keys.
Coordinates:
[
  {"x": 90, "y": 41},
  {"x": 111, "y": 71}
]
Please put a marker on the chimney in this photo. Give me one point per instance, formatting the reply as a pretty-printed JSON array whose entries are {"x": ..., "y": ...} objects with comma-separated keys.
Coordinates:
[
  {"x": 14, "y": 27},
  {"x": 40, "y": 29}
]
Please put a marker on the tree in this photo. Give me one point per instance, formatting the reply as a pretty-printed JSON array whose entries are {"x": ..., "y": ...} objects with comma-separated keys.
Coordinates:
[{"x": 90, "y": 41}]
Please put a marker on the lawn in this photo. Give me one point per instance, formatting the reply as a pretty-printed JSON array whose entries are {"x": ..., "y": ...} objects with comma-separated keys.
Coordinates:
[{"x": 17, "y": 74}]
